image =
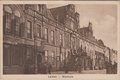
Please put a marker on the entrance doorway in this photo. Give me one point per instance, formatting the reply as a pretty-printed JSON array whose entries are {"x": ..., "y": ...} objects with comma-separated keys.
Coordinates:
[{"x": 39, "y": 58}]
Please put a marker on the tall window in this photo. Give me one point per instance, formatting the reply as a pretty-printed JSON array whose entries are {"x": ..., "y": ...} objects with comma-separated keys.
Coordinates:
[
  {"x": 16, "y": 23},
  {"x": 53, "y": 57},
  {"x": 38, "y": 31},
  {"x": 46, "y": 34},
  {"x": 62, "y": 56},
  {"x": 46, "y": 55},
  {"x": 7, "y": 19},
  {"x": 61, "y": 41},
  {"x": 29, "y": 29},
  {"x": 52, "y": 36}
]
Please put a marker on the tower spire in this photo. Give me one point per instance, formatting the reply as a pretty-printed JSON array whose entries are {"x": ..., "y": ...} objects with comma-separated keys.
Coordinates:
[{"x": 90, "y": 24}]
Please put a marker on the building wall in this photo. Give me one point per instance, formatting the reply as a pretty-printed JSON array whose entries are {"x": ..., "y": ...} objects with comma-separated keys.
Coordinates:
[
  {"x": 66, "y": 39},
  {"x": 113, "y": 56}
]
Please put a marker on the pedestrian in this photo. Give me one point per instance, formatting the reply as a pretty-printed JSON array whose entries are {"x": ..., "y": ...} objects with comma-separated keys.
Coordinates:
[
  {"x": 44, "y": 68},
  {"x": 79, "y": 68},
  {"x": 66, "y": 68},
  {"x": 114, "y": 68},
  {"x": 27, "y": 66},
  {"x": 49, "y": 68},
  {"x": 39, "y": 67}
]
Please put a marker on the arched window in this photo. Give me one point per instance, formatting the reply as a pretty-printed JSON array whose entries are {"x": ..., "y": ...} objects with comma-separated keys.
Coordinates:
[
  {"x": 7, "y": 19},
  {"x": 16, "y": 22},
  {"x": 7, "y": 9}
]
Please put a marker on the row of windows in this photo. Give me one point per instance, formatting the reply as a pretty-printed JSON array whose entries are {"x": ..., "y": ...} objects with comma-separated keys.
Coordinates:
[
  {"x": 53, "y": 36},
  {"x": 52, "y": 56},
  {"x": 16, "y": 55},
  {"x": 16, "y": 29},
  {"x": 10, "y": 56},
  {"x": 12, "y": 25}
]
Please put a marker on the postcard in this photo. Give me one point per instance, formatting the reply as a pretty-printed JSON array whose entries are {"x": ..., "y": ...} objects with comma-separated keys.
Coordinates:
[{"x": 59, "y": 40}]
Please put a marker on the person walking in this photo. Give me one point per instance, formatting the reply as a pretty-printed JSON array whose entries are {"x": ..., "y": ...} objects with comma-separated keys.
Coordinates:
[
  {"x": 44, "y": 68},
  {"x": 27, "y": 65},
  {"x": 49, "y": 68},
  {"x": 39, "y": 67},
  {"x": 66, "y": 69}
]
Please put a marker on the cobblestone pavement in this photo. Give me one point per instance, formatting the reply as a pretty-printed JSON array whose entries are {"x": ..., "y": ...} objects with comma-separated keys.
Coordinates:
[{"x": 83, "y": 72}]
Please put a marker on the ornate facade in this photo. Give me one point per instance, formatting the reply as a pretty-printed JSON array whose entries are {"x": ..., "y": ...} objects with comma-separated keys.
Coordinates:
[{"x": 35, "y": 34}]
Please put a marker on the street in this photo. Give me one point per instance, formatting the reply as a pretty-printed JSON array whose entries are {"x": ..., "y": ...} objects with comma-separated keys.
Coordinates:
[
  {"x": 94, "y": 72},
  {"x": 83, "y": 72}
]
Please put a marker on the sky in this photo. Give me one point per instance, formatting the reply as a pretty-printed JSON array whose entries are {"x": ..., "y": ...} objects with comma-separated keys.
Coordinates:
[{"x": 103, "y": 18}]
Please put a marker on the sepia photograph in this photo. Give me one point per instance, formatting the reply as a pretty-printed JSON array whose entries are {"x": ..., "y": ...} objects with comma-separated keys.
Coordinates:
[{"x": 60, "y": 39}]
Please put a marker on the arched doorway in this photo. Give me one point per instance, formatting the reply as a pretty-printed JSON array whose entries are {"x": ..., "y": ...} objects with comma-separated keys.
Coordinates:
[{"x": 39, "y": 58}]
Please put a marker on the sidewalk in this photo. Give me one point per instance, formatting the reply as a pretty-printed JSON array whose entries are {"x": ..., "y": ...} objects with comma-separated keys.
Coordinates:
[
  {"x": 83, "y": 72},
  {"x": 94, "y": 71},
  {"x": 63, "y": 72}
]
